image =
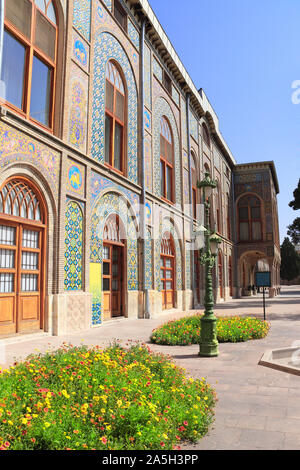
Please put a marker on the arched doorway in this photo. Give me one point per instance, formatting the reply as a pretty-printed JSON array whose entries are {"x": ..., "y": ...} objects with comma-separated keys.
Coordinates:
[
  {"x": 220, "y": 275},
  {"x": 167, "y": 257},
  {"x": 113, "y": 267},
  {"x": 23, "y": 229}
]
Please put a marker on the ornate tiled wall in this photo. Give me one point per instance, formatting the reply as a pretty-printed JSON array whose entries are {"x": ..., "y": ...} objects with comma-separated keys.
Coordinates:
[
  {"x": 149, "y": 260},
  {"x": 148, "y": 163},
  {"x": 133, "y": 34},
  {"x": 78, "y": 108},
  {"x": 73, "y": 246},
  {"x": 108, "y": 47},
  {"x": 106, "y": 198},
  {"x": 148, "y": 78},
  {"x": 18, "y": 147},
  {"x": 82, "y": 17},
  {"x": 75, "y": 178},
  {"x": 81, "y": 51},
  {"x": 194, "y": 127},
  {"x": 162, "y": 108}
]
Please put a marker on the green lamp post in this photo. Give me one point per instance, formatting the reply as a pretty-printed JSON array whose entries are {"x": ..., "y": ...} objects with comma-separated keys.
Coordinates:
[{"x": 208, "y": 241}]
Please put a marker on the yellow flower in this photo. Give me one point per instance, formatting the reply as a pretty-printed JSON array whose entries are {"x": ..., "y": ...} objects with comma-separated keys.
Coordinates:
[{"x": 47, "y": 424}]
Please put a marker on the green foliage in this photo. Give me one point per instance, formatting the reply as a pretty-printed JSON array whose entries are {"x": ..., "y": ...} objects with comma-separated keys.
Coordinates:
[
  {"x": 112, "y": 399},
  {"x": 294, "y": 231},
  {"x": 295, "y": 204},
  {"x": 290, "y": 261},
  {"x": 186, "y": 331}
]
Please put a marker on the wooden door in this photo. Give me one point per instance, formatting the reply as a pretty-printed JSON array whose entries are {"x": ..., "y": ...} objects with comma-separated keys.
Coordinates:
[
  {"x": 113, "y": 266},
  {"x": 167, "y": 273}
]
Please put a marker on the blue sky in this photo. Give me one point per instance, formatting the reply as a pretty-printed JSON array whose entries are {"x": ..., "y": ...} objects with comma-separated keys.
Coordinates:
[{"x": 245, "y": 54}]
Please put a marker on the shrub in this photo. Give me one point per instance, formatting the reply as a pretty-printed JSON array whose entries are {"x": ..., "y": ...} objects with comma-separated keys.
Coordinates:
[
  {"x": 186, "y": 331},
  {"x": 112, "y": 399}
]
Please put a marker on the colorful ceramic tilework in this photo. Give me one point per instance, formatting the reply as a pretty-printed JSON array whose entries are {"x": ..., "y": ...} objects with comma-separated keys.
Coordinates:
[
  {"x": 187, "y": 267},
  {"x": 194, "y": 127},
  {"x": 107, "y": 47},
  {"x": 78, "y": 108},
  {"x": 175, "y": 95},
  {"x": 100, "y": 184},
  {"x": 106, "y": 22},
  {"x": 113, "y": 203},
  {"x": 73, "y": 246},
  {"x": 96, "y": 291},
  {"x": 82, "y": 17},
  {"x": 162, "y": 108},
  {"x": 75, "y": 177},
  {"x": 148, "y": 78},
  {"x": 147, "y": 120},
  {"x": 148, "y": 163},
  {"x": 81, "y": 51},
  {"x": 183, "y": 124},
  {"x": 133, "y": 34},
  {"x": 157, "y": 69},
  {"x": 149, "y": 260},
  {"x": 108, "y": 4},
  {"x": 18, "y": 147}
]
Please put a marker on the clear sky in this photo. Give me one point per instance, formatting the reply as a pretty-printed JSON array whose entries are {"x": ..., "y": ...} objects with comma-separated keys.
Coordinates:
[{"x": 245, "y": 54}]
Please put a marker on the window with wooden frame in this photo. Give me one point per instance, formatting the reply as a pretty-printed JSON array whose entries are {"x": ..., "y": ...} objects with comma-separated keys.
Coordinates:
[
  {"x": 120, "y": 15},
  {"x": 194, "y": 184},
  {"x": 115, "y": 118},
  {"x": 250, "y": 219},
  {"x": 205, "y": 134},
  {"x": 166, "y": 160},
  {"x": 29, "y": 58}
]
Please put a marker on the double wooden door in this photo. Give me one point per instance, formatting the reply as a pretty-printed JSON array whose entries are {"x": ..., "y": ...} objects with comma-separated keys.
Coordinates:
[
  {"x": 112, "y": 280},
  {"x": 167, "y": 268},
  {"x": 21, "y": 277}
]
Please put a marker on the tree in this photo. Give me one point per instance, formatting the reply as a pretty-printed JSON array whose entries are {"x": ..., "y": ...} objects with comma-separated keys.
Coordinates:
[
  {"x": 295, "y": 204},
  {"x": 294, "y": 231},
  {"x": 290, "y": 261}
]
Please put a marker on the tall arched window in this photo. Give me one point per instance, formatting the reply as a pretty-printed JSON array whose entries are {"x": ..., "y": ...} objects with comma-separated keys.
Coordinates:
[
  {"x": 228, "y": 218},
  {"x": 29, "y": 58},
  {"x": 194, "y": 184},
  {"x": 250, "y": 220},
  {"x": 218, "y": 208},
  {"x": 205, "y": 134},
  {"x": 115, "y": 117},
  {"x": 166, "y": 160}
]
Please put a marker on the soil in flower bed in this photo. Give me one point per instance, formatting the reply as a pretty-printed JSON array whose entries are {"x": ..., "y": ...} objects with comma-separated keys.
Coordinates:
[
  {"x": 186, "y": 331},
  {"x": 111, "y": 399}
]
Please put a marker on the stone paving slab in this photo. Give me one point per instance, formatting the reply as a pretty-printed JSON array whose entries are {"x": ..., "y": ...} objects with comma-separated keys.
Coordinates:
[{"x": 258, "y": 407}]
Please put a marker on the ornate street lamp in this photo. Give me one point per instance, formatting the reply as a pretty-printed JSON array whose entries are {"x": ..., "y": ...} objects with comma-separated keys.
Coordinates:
[{"x": 208, "y": 335}]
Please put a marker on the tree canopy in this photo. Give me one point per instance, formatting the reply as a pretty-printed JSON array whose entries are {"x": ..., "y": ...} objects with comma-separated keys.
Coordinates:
[
  {"x": 290, "y": 261},
  {"x": 295, "y": 204}
]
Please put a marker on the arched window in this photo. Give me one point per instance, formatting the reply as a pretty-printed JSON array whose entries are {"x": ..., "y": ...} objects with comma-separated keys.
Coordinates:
[
  {"x": 249, "y": 216},
  {"x": 194, "y": 184},
  {"x": 23, "y": 232},
  {"x": 115, "y": 117},
  {"x": 205, "y": 134},
  {"x": 29, "y": 58},
  {"x": 166, "y": 160}
]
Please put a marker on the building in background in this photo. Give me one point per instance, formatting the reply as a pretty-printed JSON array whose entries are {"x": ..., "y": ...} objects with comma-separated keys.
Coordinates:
[{"x": 103, "y": 137}]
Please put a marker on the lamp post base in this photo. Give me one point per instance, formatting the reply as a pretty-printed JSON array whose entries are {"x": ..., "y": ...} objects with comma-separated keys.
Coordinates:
[{"x": 209, "y": 350}]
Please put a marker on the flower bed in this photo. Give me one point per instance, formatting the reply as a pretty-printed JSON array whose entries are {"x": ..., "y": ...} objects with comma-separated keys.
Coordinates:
[
  {"x": 186, "y": 331},
  {"x": 79, "y": 398}
]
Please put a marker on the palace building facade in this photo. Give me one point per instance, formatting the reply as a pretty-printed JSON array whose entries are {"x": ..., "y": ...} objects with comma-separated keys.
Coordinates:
[{"x": 103, "y": 138}]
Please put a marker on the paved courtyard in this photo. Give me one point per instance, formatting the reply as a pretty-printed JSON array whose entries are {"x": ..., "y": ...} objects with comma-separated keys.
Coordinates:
[{"x": 258, "y": 407}]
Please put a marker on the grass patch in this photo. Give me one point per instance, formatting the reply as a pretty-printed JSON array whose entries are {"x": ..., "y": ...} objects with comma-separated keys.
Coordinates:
[
  {"x": 186, "y": 331},
  {"x": 111, "y": 399}
]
